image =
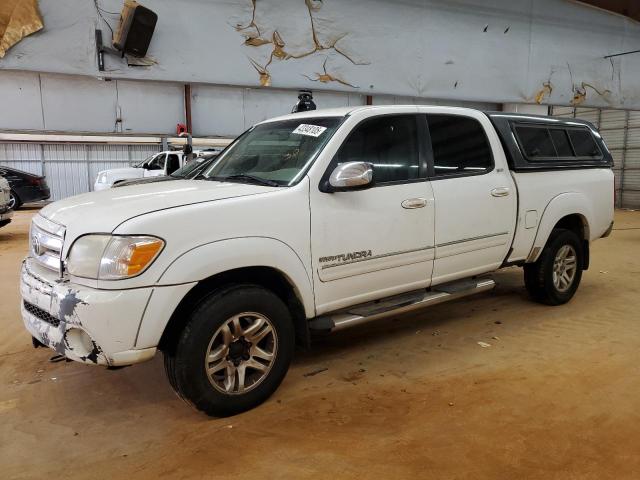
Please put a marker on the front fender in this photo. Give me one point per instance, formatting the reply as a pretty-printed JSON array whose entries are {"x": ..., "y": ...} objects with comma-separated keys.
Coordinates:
[
  {"x": 212, "y": 258},
  {"x": 565, "y": 204}
]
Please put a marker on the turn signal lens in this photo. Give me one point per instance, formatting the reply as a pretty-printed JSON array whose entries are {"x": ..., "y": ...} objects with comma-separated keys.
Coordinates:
[{"x": 142, "y": 254}]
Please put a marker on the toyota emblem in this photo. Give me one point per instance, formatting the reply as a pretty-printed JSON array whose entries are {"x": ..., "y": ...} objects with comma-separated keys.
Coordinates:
[{"x": 37, "y": 247}]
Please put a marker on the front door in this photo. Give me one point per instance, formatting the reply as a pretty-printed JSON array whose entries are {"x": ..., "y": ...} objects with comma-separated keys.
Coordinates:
[
  {"x": 155, "y": 168},
  {"x": 475, "y": 197},
  {"x": 377, "y": 242}
]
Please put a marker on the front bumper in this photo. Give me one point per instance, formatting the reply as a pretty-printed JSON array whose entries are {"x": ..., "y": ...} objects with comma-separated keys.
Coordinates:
[
  {"x": 98, "y": 187},
  {"x": 82, "y": 323}
]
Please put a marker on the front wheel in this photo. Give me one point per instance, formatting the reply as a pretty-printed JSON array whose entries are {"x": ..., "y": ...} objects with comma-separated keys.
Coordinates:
[
  {"x": 554, "y": 278},
  {"x": 234, "y": 351}
]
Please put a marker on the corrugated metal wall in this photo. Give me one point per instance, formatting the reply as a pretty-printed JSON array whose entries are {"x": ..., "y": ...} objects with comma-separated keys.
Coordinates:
[
  {"x": 621, "y": 131},
  {"x": 71, "y": 168}
]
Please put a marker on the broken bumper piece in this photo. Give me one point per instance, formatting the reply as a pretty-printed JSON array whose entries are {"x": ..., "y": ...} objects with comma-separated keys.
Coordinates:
[{"x": 83, "y": 324}]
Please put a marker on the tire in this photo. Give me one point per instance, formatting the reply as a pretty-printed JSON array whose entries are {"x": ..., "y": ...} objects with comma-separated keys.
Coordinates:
[
  {"x": 14, "y": 200},
  {"x": 556, "y": 288},
  {"x": 225, "y": 333}
]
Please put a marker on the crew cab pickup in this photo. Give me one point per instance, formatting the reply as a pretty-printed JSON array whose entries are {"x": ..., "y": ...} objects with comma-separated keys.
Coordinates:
[
  {"x": 157, "y": 165},
  {"x": 313, "y": 222}
]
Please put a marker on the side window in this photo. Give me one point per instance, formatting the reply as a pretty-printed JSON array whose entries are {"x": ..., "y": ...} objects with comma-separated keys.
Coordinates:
[
  {"x": 390, "y": 143},
  {"x": 536, "y": 142},
  {"x": 459, "y": 145},
  {"x": 173, "y": 163},
  {"x": 583, "y": 143},
  {"x": 561, "y": 142},
  {"x": 158, "y": 162},
  {"x": 542, "y": 143}
]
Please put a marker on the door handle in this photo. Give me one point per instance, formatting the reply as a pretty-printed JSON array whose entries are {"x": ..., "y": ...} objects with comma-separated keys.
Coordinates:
[
  {"x": 500, "y": 192},
  {"x": 410, "y": 203}
]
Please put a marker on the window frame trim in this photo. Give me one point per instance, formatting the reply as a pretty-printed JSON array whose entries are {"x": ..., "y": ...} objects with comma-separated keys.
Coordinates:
[
  {"x": 431, "y": 156},
  {"x": 557, "y": 159},
  {"x": 423, "y": 173}
]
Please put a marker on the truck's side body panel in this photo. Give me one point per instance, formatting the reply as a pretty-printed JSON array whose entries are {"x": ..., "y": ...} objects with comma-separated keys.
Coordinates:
[
  {"x": 474, "y": 214},
  {"x": 547, "y": 197},
  {"x": 366, "y": 244},
  {"x": 551, "y": 188}
]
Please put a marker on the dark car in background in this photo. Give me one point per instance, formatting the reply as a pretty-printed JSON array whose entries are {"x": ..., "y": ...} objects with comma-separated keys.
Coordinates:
[{"x": 25, "y": 187}]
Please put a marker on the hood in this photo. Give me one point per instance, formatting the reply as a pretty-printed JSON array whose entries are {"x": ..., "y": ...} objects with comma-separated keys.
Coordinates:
[
  {"x": 114, "y": 174},
  {"x": 140, "y": 181},
  {"x": 102, "y": 212}
]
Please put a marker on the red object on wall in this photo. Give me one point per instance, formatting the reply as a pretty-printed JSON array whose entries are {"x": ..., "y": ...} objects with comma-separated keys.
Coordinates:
[{"x": 181, "y": 128}]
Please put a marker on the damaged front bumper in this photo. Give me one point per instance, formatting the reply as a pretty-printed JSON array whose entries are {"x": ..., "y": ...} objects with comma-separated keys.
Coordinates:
[{"x": 82, "y": 323}]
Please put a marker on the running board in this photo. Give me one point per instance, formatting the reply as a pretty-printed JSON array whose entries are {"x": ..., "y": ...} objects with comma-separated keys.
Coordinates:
[{"x": 398, "y": 304}]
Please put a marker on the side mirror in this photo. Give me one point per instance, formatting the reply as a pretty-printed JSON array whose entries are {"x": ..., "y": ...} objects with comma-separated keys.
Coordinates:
[{"x": 351, "y": 176}]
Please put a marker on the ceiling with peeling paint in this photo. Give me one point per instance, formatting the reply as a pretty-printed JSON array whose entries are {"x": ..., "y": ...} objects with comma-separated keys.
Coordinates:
[
  {"x": 546, "y": 51},
  {"x": 629, "y": 8}
]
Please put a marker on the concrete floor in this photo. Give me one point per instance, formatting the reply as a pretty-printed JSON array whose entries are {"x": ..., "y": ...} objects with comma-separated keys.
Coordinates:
[{"x": 556, "y": 395}]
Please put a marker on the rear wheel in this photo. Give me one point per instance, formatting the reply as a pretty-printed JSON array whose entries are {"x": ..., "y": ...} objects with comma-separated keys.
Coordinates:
[
  {"x": 233, "y": 352},
  {"x": 554, "y": 278}
]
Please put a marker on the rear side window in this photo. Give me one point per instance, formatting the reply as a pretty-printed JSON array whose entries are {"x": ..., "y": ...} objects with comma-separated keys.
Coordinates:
[
  {"x": 561, "y": 142},
  {"x": 459, "y": 144},
  {"x": 536, "y": 142},
  {"x": 390, "y": 143},
  {"x": 542, "y": 143},
  {"x": 583, "y": 143}
]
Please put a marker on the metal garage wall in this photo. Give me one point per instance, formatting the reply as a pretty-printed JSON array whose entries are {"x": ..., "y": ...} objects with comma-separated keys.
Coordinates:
[
  {"x": 621, "y": 131},
  {"x": 71, "y": 168}
]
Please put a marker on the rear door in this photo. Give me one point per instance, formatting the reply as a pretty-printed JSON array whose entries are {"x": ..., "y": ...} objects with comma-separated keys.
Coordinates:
[{"x": 475, "y": 197}]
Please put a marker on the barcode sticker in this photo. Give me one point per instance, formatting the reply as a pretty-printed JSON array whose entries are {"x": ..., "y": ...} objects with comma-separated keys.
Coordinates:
[{"x": 310, "y": 130}]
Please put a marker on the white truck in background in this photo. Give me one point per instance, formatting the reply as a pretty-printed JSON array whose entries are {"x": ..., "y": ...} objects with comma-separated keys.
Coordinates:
[
  {"x": 157, "y": 165},
  {"x": 313, "y": 222}
]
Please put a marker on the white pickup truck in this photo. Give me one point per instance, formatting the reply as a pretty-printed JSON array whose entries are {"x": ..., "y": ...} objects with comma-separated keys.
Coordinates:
[
  {"x": 313, "y": 222},
  {"x": 157, "y": 165}
]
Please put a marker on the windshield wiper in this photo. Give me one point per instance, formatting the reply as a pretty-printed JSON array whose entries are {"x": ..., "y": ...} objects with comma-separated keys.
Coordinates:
[{"x": 251, "y": 179}]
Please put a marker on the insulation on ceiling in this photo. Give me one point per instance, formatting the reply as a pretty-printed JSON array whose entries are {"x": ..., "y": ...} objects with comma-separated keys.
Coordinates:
[{"x": 18, "y": 18}]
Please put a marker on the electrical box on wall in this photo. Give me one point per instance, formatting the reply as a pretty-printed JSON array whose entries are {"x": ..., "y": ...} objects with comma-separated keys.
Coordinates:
[{"x": 135, "y": 29}]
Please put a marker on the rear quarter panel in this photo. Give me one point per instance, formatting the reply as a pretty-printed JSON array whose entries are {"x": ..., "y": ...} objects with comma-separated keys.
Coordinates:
[{"x": 544, "y": 197}]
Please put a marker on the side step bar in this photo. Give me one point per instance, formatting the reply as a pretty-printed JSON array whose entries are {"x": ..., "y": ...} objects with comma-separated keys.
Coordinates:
[{"x": 398, "y": 304}]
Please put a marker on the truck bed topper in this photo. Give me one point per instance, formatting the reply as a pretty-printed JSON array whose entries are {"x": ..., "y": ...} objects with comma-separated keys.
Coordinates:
[{"x": 533, "y": 142}]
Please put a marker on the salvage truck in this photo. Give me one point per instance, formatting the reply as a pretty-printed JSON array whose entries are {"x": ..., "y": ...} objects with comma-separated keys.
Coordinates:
[{"x": 311, "y": 223}]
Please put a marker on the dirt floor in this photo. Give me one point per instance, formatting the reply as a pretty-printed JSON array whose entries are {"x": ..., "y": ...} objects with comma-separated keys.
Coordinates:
[{"x": 555, "y": 395}]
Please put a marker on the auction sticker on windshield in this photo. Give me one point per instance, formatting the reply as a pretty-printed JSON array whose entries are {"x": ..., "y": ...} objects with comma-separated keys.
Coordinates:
[{"x": 310, "y": 130}]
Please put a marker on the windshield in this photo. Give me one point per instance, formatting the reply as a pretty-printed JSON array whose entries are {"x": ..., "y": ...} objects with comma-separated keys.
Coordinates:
[
  {"x": 274, "y": 153},
  {"x": 194, "y": 166}
]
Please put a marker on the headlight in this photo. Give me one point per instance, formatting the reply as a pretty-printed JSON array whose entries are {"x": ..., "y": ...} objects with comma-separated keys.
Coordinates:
[
  {"x": 102, "y": 178},
  {"x": 107, "y": 257}
]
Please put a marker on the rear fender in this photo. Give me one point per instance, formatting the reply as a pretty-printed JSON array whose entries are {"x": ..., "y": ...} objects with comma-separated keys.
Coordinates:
[{"x": 561, "y": 206}]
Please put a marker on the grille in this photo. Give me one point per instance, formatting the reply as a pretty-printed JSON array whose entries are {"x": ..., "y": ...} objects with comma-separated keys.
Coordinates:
[
  {"x": 41, "y": 314},
  {"x": 46, "y": 243}
]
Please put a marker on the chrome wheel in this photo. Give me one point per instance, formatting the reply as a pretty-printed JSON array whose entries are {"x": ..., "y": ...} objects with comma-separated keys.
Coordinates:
[
  {"x": 565, "y": 265},
  {"x": 241, "y": 353},
  {"x": 12, "y": 201}
]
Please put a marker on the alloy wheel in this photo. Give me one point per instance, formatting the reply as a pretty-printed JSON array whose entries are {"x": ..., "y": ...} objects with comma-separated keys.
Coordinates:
[
  {"x": 241, "y": 353},
  {"x": 565, "y": 265}
]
